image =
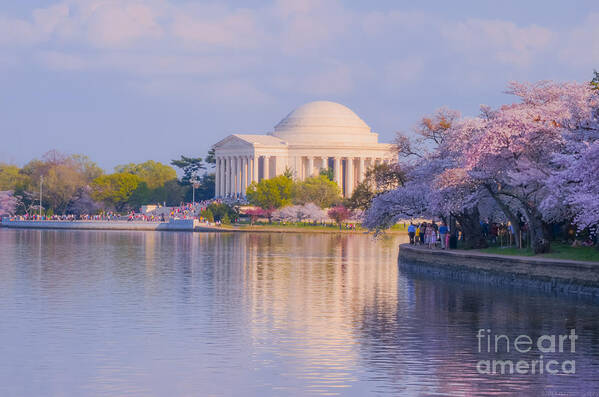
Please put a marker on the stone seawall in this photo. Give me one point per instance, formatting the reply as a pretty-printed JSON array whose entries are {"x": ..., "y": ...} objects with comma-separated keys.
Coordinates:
[
  {"x": 564, "y": 276},
  {"x": 172, "y": 225}
]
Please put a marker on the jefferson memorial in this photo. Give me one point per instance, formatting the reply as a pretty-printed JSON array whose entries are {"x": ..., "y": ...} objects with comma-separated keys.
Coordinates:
[{"x": 315, "y": 136}]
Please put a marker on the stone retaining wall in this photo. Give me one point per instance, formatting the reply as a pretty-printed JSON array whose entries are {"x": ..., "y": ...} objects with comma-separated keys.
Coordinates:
[
  {"x": 572, "y": 277},
  {"x": 172, "y": 225}
]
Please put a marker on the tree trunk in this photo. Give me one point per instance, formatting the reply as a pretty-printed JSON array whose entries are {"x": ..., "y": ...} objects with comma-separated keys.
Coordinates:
[
  {"x": 515, "y": 222},
  {"x": 540, "y": 237},
  {"x": 472, "y": 231}
]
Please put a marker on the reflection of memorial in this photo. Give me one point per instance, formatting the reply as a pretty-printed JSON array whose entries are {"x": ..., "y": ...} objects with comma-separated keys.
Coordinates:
[{"x": 306, "y": 293}]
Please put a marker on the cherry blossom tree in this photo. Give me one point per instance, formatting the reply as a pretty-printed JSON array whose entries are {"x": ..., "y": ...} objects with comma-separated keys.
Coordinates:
[
  {"x": 515, "y": 155},
  {"x": 256, "y": 213},
  {"x": 339, "y": 214},
  {"x": 535, "y": 158},
  {"x": 8, "y": 203},
  {"x": 313, "y": 212}
]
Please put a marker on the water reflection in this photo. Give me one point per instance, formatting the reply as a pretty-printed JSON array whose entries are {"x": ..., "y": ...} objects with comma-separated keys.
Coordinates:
[{"x": 146, "y": 313}]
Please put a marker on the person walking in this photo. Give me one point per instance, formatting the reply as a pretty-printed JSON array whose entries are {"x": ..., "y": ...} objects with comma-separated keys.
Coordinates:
[
  {"x": 412, "y": 232},
  {"x": 443, "y": 234},
  {"x": 432, "y": 237}
]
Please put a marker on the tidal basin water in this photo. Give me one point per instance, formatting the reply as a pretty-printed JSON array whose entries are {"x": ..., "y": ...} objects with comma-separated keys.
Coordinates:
[{"x": 198, "y": 314}]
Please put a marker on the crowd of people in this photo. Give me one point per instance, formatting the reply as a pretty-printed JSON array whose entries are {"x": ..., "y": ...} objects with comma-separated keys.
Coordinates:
[
  {"x": 429, "y": 234},
  {"x": 433, "y": 235},
  {"x": 158, "y": 214}
]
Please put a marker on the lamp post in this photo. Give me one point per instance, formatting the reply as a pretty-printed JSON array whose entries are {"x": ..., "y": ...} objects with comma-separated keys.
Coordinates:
[
  {"x": 194, "y": 183},
  {"x": 41, "y": 190}
]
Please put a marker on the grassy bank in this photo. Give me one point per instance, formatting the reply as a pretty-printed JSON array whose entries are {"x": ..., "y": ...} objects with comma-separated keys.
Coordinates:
[
  {"x": 300, "y": 227},
  {"x": 558, "y": 251}
]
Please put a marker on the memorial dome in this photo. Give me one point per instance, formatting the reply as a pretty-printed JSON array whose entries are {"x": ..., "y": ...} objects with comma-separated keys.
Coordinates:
[{"x": 323, "y": 121}]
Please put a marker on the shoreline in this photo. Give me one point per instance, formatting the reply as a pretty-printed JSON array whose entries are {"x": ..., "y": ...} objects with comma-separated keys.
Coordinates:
[
  {"x": 293, "y": 229},
  {"x": 555, "y": 275},
  {"x": 172, "y": 225},
  {"x": 188, "y": 225}
]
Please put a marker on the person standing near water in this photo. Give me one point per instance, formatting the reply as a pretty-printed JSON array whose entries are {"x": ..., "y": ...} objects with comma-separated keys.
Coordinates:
[
  {"x": 443, "y": 233},
  {"x": 411, "y": 232}
]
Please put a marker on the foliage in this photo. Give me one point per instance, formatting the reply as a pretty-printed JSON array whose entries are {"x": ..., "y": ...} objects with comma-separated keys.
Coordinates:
[
  {"x": 82, "y": 202},
  {"x": 385, "y": 177},
  {"x": 339, "y": 214},
  {"x": 207, "y": 214},
  {"x": 115, "y": 189},
  {"x": 11, "y": 177},
  {"x": 361, "y": 196},
  {"x": 300, "y": 213},
  {"x": 255, "y": 213},
  {"x": 225, "y": 220},
  {"x": 378, "y": 179},
  {"x": 8, "y": 203},
  {"x": 191, "y": 167},
  {"x": 63, "y": 177},
  {"x": 595, "y": 80},
  {"x": 153, "y": 173},
  {"x": 211, "y": 157},
  {"x": 221, "y": 211},
  {"x": 532, "y": 160},
  {"x": 328, "y": 172},
  {"x": 206, "y": 188},
  {"x": 318, "y": 190},
  {"x": 270, "y": 193}
]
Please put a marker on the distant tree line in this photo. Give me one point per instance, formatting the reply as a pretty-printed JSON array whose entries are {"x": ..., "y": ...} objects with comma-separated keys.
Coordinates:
[{"x": 74, "y": 184}]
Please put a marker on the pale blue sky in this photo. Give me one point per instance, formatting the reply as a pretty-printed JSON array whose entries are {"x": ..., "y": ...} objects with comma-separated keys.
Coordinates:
[{"x": 128, "y": 80}]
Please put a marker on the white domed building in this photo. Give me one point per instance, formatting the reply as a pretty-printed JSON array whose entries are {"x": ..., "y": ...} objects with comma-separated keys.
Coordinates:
[{"x": 315, "y": 136}]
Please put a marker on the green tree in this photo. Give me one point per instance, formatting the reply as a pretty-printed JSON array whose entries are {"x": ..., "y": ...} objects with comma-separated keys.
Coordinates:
[
  {"x": 328, "y": 172},
  {"x": 191, "y": 167},
  {"x": 207, "y": 214},
  {"x": 220, "y": 210},
  {"x": 361, "y": 196},
  {"x": 142, "y": 195},
  {"x": 11, "y": 177},
  {"x": 61, "y": 182},
  {"x": 595, "y": 80},
  {"x": 385, "y": 177},
  {"x": 115, "y": 189},
  {"x": 205, "y": 189},
  {"x": 89, "y": 169},
  {"x": 319, "y": 190},
  {"x": 211, "y": 157},
  {"x": 171, "y": 193},
  {"x": 153, "y": 173},
  {"x": 270, "y": 193}
]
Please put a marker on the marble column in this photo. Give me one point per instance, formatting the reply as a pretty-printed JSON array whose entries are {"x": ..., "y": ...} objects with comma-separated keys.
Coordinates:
[
  {"x": 310, "y": 166},
  {"x": 349, "y": 184},
  {"x": 223, "y": 177},
  {"x": 217, "y": 178},
  {"x": 361, "y": 170},
  {"x": 239, "y": 176},
  {"x": 250, "y": 173},
  {"x": 233, "y": 175},
  {"x": 337, "y": 170},
  {"x": 255, "y": 161},
  {"x": 266, "y": 167},
  {"x": 227, "y": 176},
  {"x": 244, "y": 175}
]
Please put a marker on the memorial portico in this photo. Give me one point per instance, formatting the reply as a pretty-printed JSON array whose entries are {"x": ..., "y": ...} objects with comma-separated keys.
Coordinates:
[{"x": 315, "y": 136}]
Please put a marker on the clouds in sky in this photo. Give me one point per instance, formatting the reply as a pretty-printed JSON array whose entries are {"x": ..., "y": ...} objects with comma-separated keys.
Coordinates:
[{"x": 390, "y": 64}]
